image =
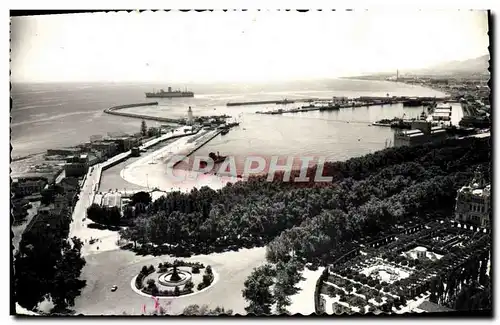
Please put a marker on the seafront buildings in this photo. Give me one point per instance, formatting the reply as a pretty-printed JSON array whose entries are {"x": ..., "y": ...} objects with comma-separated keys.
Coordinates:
[
  {"x": 421, "y": 132},
  {"x": 28, "y": 185}
]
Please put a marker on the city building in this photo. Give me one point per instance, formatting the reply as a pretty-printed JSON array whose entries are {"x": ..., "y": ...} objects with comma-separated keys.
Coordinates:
[
  {"x": 421, "y": 132},
  {"x": 109, "y": 149},
  {"x": 124, "y": 143},
  {"x": 50, "y": 217},
  {"x": 339, "y": 100},
  {"x": 112, "y": 199},
  {"x": 28, "y": 185},
  {"x": 95, "y": 157},
  {"x": 442, "y": 113},
  {"x": 190, "y": 116},
  {"x": 64, "y": 152},
  {"x": 76, "y": 166},
  {"x": 473, "y": 202}
]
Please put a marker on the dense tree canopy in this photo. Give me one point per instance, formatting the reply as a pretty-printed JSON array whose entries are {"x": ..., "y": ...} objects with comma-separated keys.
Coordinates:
[
  {"x": 370, "y": 196},
  {"x": 48, "y": 264}
]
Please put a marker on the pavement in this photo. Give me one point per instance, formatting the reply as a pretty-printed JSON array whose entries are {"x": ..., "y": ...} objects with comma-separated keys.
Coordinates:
[{"x": 105, "y": 269}]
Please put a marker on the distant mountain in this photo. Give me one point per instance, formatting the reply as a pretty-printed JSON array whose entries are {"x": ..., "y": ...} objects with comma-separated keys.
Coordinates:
[{"x": 467, "y": 67}]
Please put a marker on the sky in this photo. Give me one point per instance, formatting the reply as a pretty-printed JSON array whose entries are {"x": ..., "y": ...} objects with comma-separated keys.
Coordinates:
[{"x": 239, "y": 46}]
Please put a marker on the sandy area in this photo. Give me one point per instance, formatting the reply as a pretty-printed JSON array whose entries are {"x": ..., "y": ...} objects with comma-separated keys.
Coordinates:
[
  {"x": 303, "y": 301},
  {"x": 152, "y": 170}
]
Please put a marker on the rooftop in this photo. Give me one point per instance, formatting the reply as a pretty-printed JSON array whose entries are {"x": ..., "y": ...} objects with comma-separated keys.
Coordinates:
[
  {"x": 431, "y": 307},
  {"x": 408, "y": 132},
  {"x": 112, "y": 199}
]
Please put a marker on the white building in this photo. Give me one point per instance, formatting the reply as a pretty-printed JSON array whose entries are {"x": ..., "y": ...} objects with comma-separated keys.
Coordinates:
[
  {"x": 111, "y": 200},
  {"x": 473, "y": 202}
]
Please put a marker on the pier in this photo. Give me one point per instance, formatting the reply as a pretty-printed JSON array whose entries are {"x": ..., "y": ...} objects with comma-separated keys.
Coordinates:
[
  {"x": 115, "y": 111},
  {"x": 205, "y": 138}
]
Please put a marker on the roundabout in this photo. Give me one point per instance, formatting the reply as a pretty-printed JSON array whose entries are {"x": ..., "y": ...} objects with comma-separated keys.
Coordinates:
[{"x": 177, "y": 281}]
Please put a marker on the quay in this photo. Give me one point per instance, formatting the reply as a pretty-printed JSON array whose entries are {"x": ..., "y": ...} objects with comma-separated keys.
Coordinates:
[
  {"x": 374, "y": 99},
  {"x": 115, "y": 111},
  {"x": 319, "y": 108}
]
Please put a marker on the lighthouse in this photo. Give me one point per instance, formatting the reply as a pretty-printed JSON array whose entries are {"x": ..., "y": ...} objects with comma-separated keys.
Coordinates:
[{"x": 190, "y": 116}]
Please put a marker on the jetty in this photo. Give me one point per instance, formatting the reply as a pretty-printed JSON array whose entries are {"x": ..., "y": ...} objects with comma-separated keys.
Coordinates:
[{"x": 115, "y": 110}]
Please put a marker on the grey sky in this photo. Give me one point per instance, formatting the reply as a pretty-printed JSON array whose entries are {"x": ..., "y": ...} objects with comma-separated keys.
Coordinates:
[{"x": 233, "y": 46}]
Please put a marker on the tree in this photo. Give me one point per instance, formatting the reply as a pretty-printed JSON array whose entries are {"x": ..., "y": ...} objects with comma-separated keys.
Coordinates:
[
  {"x": 144, "y": 128},
  {"x": 207, "y": 279},
  {"x": 257, "y": 291},
  {"x": 140, "y": 198},
  {"x": 281, "y": 298},
  {"x": 151, "y": 283},
  {"x": 204, "y": 310},
  {"x": 67, "y": 285},
  {"x": 189, "y": 285}
]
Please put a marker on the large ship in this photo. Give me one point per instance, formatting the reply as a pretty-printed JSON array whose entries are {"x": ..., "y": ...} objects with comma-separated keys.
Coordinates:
[{"x": 169, "y": 93}]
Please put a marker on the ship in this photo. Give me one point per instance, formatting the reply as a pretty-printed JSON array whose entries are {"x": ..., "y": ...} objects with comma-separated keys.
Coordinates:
[
  {"x": 412, "y": 102},
  {"x": 169, "y": 93}
]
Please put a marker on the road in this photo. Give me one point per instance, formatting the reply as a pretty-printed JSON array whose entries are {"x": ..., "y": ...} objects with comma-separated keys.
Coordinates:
[
  {"x": 107, "y": 239},
  {"x": 119, "y": 267},
  {"x": 107, "y": 265}
]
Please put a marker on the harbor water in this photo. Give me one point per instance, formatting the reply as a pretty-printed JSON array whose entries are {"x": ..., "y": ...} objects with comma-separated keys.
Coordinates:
[{"x": 46, "y": 116}]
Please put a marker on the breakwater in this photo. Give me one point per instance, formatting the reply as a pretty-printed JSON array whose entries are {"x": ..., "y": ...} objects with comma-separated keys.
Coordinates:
[
  {"x": 115, "y": 110},
  {"x": 320, "y": 108},
  {"x": 283, "y": 102}
]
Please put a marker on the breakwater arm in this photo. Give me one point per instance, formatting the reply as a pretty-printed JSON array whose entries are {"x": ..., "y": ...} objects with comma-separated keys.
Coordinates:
[
  {"x": 115, "y": 110},
  {"x": 286, "y": 101}
]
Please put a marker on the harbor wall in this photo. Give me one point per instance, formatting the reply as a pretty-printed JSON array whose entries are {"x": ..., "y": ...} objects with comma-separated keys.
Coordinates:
[{"x": 114, "y": 111}]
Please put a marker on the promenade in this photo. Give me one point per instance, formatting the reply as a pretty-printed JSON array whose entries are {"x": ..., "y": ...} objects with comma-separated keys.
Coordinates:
[{"x": 107, "y": 240}]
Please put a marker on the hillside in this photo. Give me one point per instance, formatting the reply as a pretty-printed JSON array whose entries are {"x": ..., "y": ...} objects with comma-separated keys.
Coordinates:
[
  {"x": 471, "y": 66},
  {"x": 466, "y": 68}
]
